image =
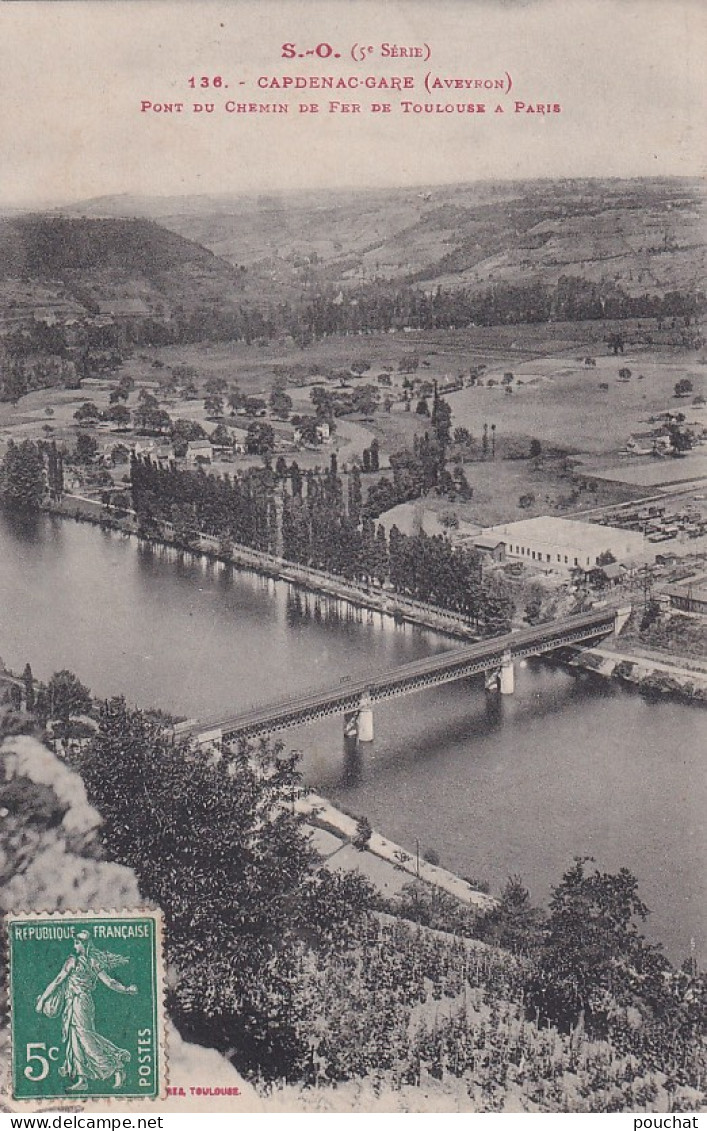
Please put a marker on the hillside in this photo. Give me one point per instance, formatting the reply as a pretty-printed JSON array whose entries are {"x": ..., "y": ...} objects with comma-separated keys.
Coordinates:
[
  {"x": 61, "y": 265},
  {"x": 52, "y": 246},
  {"x": 643, "y": 235}
]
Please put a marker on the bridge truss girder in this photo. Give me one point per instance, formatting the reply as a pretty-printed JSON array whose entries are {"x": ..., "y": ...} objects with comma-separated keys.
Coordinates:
[{"x": 349, "y": 702}]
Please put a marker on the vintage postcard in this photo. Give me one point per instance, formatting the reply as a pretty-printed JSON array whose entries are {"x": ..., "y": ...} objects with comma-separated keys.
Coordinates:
[{"x": 353, "y": 556}]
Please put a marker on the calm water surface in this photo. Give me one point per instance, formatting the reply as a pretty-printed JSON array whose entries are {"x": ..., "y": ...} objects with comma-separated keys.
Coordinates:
[{"x": 518, "y": 785}]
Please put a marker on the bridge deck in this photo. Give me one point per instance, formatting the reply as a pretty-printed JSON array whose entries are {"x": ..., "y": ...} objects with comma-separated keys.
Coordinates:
[{"x": 443, "y": 667}]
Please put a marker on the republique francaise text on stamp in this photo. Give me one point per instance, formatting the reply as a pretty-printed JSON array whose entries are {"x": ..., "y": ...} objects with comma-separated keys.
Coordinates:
[{"x": 86, "y": 1005}]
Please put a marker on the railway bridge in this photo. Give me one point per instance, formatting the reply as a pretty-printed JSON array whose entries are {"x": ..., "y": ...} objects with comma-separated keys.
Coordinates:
[{"x": 354, "y": 698}]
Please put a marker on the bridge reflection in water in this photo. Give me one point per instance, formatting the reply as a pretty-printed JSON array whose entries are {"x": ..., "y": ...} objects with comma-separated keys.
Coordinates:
[{"x": 354, "y": 698}]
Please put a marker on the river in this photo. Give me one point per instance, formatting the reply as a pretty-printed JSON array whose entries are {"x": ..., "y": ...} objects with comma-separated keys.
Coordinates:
[{"x": 566, "y": 766}]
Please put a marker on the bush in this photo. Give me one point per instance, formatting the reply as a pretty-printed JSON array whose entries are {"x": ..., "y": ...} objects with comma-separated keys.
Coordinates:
[
  {"x": 363, "y": 834},
  {"x": 651, "y": 614},
  {"x": 624, "y": 670},
  {"x": 659, "y": 683}
]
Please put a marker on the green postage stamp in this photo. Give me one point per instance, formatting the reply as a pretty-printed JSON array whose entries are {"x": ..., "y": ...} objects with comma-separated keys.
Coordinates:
[{"x": 86, "y": 994}]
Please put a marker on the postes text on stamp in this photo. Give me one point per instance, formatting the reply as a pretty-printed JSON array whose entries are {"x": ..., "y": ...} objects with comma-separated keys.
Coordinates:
[{"x": 86, "y": 1005}]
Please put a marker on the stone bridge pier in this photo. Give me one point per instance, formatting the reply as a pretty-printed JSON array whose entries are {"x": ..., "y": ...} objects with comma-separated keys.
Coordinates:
[
  {"x": 622, "y": 615},
  {"x": 501, "y": 678},
  {"x": 359, "y": 724}
]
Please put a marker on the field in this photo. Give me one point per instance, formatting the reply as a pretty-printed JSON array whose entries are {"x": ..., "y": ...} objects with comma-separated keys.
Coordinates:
[
  {"x": 54, "y": 408},
  {"x": 555, "y": 399},
  {"x": 499, "y": 485},
  {"x": 648, "y": 473},
  {"x": 560, "y": 402}
]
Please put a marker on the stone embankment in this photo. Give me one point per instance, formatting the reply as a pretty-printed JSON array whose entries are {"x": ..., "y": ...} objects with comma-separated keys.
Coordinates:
[
  {"x": 654, "y": 678},
  {"x": 387, "y": 865},
  {"x": 374, "y": 598}
]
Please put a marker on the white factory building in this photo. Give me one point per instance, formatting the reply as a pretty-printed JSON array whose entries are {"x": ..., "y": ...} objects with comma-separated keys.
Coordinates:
[{"x": 560, "y": 544}]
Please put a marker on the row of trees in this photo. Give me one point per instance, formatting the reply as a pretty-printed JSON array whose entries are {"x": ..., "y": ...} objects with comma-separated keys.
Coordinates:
[
  {"x": 240, "y": 508},
  {"x": 316, "y": 529},
  {"x": 29, "y": 470},
  {"x": 22, "y": 476},
  {"x": 376, "y": 307},
  {"x": 19, "y": 376},
  {"x": 430, "y": 569},
  {"x": 92, "y": 346},
  {"x": 312, "y": 526},
  {"x": 423, "y": 468},
  {"x": 147, "y": 416}
]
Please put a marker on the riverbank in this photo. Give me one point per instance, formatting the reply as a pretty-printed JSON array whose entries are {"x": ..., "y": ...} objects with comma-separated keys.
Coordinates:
[
  {"x": 474, "y": 777},
  {"x": 334, "y": 833},
  {"x": 383, "y": 862},
  {"x": 373, "y": 598},
  {"x": 653, "y": 677}
]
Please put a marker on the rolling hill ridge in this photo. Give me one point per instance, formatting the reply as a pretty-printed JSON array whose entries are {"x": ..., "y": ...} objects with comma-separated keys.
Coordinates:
[{"x": 644, "y": 235}]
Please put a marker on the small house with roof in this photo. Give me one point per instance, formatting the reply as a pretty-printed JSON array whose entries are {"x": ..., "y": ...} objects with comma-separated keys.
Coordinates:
[
  {"x": 689, "y": 597},
  {"x": 199, "y": 451},
  {"x": 490, "y": 546}
]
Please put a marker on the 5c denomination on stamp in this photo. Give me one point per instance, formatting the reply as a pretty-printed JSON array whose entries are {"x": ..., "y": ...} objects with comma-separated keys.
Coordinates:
[{"x": 86, "y": 1001}]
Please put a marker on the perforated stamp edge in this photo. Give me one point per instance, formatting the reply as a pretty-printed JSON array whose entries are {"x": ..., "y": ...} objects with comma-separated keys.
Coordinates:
[{"x": 76, "y": 1102}]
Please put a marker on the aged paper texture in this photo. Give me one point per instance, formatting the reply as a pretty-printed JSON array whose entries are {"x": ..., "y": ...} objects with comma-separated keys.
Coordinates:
[{"x": 353, "y": 526}]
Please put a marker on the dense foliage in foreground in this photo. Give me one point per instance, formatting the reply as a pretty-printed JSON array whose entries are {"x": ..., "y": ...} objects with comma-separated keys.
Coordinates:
[
  {"x": 218, "y": 844},
  {"x": 296, "y": 974},
  {"x": 407, "y": 1006}
]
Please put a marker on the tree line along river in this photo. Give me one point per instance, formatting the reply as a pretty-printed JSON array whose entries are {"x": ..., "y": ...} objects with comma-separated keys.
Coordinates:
[{"x": 568, "y": 765}]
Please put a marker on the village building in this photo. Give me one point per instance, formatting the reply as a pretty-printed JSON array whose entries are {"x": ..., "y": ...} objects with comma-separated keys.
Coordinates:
[
  {"x": 689, "y": 597},
  {"x": 143, "y": 447},
  {"x": 490, "y": 546},
  {"x": 199, "y": 451},
  {"x": 159, "y": 453},
  {"x": 163, "y": 454},
  {"x": 236, "y": 440},
  {"x": 667, "y": 558},
  {"x": 610, "y": 574},
  {"x": 562, "y": 544}
]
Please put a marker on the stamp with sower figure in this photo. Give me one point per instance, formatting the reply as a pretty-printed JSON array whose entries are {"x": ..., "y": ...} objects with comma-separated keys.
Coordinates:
[{"x": 86, "y": 1001}]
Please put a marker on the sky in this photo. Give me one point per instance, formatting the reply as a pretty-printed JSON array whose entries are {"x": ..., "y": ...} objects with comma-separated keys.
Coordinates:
[{"x": 627, "y": 74}]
